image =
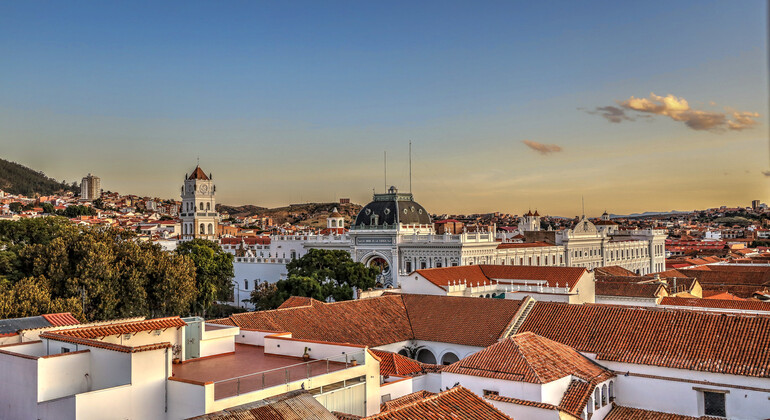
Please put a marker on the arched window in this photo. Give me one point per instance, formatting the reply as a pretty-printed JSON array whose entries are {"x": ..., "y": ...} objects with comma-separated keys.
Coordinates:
[
  {"x": 612, "y": 391},
  {"x": 211, "y": 229},
  {"x": 201, "y": 206},
  {"x": 449, "y": 358},
  {"x": 597, "y": 398},
  {"x": 590, "y": 407},
  {"x": 203, "y": 229},
  {"x": 426, "y": 356},
  {"x": 208, "y": 206},
  {"x": 245, "y": 285},
  {"x": 604, "y": 395}
]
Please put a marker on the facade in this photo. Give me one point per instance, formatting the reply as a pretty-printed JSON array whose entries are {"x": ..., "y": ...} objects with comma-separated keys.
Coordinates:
[
  {"x": 199, "y": 216},
  {"x": 90, "y": 188},
  {"x": 396, "y": 234}
]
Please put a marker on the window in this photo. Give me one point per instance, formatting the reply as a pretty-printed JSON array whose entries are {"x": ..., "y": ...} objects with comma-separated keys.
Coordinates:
[
  {"x": 449, "y": 358},
  {"x": 208, "y": 206},
  {"x": 604, "y": 395},
  {"x": 245, "y": 285},
  {"x": 488, "y": 392},
  {"x": 65, "y": 350},
  {"x": 408, "y": 266},
  {"x": 423, "y": 266},
  {"x": 714, "y": 404},
  {"x": 203, "y": 229},
  {"x": 201, "y": 206}
]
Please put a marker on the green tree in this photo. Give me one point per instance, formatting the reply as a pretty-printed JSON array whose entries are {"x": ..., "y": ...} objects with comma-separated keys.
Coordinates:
[
  {"x": 48, "y": 208},
  {"x": 265, "y": 296},
  {"x": 334, "y": 271},
  {"x": 213, "y": 271},
  {"x": 15, "y": 207}
]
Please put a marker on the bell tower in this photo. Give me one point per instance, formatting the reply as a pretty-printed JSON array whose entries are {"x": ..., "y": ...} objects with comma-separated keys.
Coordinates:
[{"x": 198, "y": 212}]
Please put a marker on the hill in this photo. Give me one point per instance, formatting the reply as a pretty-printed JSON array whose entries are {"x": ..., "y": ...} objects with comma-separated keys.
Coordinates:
[
  {"x": 19, "y": 179},
  {"x": 310, "y": 214}
]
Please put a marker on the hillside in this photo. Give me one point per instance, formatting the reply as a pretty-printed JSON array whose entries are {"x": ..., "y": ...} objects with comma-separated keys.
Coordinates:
[
  {"x": 310, "y": 214},
  {"x": 19, "y": 179}
]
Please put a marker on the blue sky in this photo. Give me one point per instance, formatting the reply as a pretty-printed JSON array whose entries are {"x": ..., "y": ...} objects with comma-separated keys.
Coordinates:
[{"x": 296, "y": 101}]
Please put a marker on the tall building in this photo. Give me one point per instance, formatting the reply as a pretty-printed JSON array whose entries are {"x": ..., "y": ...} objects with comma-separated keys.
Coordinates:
[
  {"x": 198, "y": 213},
  {"x": 754, "y": 204},
  {"x": 90, "y": 188}
]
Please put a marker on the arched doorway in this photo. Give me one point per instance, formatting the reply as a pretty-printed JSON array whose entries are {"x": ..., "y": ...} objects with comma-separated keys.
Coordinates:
[
  {"x": 426, "y": 356},
  {"x": 449, "y": 358}
]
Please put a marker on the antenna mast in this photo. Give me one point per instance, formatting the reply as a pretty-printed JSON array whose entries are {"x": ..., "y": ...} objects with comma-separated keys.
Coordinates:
[
  {"x": 583, "y": 201},
  {"x": 385, "y": 154},
  {"x": 410, "y": 166}
]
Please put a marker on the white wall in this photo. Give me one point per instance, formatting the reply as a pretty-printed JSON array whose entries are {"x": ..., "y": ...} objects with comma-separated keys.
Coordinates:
[
  {"x": 63, "y": 375},
  {"x": 516, "y": 411},
  {"x": 553, "y": 392},
  {"x": 18, "y": 387},
  {"x": 619, "y": 300},
  {"x": 58, "y": 409},
  {"x": 397, "y": 388},
  {"x": 255, "y": 337},
  {"x": 187, "y": 400},
  {"x": 417, "y": 284},
  {"x": 296, "y": 348},
  {"x": 106, "y": 404},
  {"x": 676, "y": 395},
  {"x": 520, "y": 390}
]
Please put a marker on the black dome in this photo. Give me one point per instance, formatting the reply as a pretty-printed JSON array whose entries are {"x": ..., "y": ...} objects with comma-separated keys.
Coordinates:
[{"x": 388, "y": 210}]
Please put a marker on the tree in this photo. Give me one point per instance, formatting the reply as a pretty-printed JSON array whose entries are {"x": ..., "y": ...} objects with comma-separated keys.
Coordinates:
[
  {"x": 265, "y": 296},
  {"x": 15, "y": 207},
  {"x": 335, "y": 273},
  {"x": 213, "y": 271},
  {"x": 48, "y": 208}
]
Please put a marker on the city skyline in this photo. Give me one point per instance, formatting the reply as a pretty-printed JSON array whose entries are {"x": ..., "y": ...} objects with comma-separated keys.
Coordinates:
[{"x": 652, "y": 107}]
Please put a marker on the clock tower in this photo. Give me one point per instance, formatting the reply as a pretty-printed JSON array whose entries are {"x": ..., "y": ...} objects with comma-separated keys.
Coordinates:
[{"x": 198, "y": 212}]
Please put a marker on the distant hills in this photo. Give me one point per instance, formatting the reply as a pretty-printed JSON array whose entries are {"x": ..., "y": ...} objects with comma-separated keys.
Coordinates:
[
  {"x": 311, "y": 214},
  {"x": 19, "y": 179},
  {"x": 649, "y": 213}
]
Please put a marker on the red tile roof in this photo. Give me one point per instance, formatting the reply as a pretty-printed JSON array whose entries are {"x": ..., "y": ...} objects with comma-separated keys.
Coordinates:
[
  {"x": 390, "y": 319},
  {"x": 393, "y": 364},
  {"x": 576, "y": 397},
  {"x": 484, "y": 274},
  {"x": 124, "y": 327},
  {"x": 542, "y": 405},
  {"x": 456, "y": 403},
  {"x": 746, "y": 305},
  {"x": 628, "y": 413},
  {"x": 674, "y": 338},
  {"x": 527, "y": 357},
  {"x": 198, "y": 174},
  {"x": 61, "y": 319},
  {"x": 102, "y": 345},
  {"x": 613, "y": 270},
  {"x": 406, "y": 399},
  {"x": 644, "y": 290},
  {"x": 296, "y": 301}
]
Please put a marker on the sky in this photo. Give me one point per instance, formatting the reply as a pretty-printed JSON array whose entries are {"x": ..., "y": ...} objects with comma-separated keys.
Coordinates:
[{"x": 509, "y": 105}]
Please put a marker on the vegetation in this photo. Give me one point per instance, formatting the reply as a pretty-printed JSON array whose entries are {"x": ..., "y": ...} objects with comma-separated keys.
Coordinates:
[
  {"x": 49, "y": 265},
  {"x": 213, "y": 271},
  {"x": 19, "y": 179},
  {"x": 319, "y": 274}
]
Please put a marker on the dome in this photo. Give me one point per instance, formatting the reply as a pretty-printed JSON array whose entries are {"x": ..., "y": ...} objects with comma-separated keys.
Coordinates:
[{"x": 391, "y": 209}]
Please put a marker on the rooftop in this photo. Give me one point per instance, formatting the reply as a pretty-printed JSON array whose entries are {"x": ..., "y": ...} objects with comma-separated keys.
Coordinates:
[
  {"x": 456, "y": 403},
  {"x": 249, "y": 369}
]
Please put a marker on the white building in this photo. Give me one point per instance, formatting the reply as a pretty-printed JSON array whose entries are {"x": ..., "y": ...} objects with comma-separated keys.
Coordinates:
[
  {"x": 396, "y": 233},
  {"x": 199, "y": 216},
  {"x": 90, "y": 188}
]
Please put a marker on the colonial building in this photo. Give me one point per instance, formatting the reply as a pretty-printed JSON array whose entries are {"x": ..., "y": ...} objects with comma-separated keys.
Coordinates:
[
  {"x": 198, "y": 213},
  {"x": 396, "y": 234}
]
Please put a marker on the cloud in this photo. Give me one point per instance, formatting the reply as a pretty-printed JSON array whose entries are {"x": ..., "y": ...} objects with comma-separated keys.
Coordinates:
[
  {"x": 541, "y": 148},
  {"x": 678, "y": 109},
  {"x": 611, "y": 113}
]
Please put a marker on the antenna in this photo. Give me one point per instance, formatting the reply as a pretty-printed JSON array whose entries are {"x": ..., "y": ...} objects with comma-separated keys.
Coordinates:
[
  {"x": 583, "y": 200},
  {"x": 385, "y": 153},
  {"x": 410, "y": 166},
  {"x": 199, "y": 161}
]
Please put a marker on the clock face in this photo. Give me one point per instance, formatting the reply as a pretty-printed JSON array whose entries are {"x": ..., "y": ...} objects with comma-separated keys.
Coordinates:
[{"x": 204, "y": 188}]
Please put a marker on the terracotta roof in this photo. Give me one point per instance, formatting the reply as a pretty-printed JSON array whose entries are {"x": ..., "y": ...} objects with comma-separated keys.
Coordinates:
[
  {"x": 198, "y": 174},
  {"x": 509, "y": 400},
  {"x": 527, "y": 357},
  {"x": 61, "y": 319},
  {"x": 644, "y": 290},
  {"x": 484, "y": 274},
  {"x": 613, "y": 270},
  {"x": 389, "y": 319},
  {"x": 674, "y": 338},
  {"x": 746, "y": 305},
  {"x": 406, "y": 399},
  {"x": 576, "y": 397},
  {"x": 714, "y": 294},
  {"x": 508, "y": 245},
  {"x": 103, "y": 345},
  {"x": 124, "y": 327},
  {"x": 296, "y": 301},
  {"x": 628, "y": 413},
  {"x": 456, "y": 403},
  {"x": 393, "y": 364}
]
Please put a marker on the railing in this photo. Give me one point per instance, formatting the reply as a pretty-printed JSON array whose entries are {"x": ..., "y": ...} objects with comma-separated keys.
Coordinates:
[{"x": 285, "y": 375}]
